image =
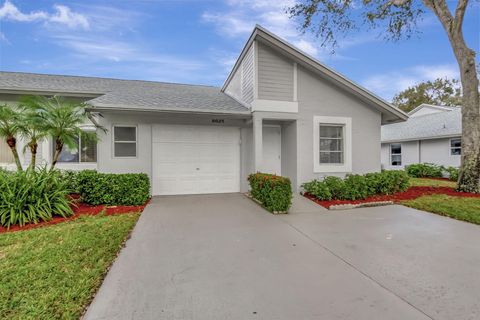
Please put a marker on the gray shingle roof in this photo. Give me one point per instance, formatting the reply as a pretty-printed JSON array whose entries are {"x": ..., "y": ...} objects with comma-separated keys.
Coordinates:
[
  {"x": 441, "y": 124},
  {"x": 128, "y": 94}
]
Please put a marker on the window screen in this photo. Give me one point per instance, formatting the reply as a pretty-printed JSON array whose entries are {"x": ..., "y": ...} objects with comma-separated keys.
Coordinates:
[{"x": 331, "y": 144}]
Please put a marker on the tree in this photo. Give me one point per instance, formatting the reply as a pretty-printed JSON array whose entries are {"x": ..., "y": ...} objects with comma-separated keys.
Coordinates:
[
  {"x": 32, "y": 126},
  {"x": 62, "y": 120},
  {"x": 443, "y": 92},
  {"x": 328, "y": 19},
  {"x": 9, "y": 129}
]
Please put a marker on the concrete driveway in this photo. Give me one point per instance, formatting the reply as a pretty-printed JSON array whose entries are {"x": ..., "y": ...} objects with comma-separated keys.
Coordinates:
[{"x": 223, "y": 257}]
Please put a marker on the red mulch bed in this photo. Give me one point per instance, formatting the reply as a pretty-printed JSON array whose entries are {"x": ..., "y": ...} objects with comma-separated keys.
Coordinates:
[
  {"x": 410, "y": 194},
  {"x": 79, "y": 209}
]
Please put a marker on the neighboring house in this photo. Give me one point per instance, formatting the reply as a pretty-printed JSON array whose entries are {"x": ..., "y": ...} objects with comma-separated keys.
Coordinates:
[
  {"x": 279, "y": 111},
  {"x": 432, "y": 134}
]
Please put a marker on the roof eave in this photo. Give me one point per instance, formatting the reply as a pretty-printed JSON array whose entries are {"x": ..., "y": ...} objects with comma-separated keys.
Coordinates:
[
  {"x": 332, "y": 74},
  {"x": 117, "y": 107},
  {"x": 314, "y": 63},
  {"x": 240, "y": 57},
  {"x": 453, "y": 135}
]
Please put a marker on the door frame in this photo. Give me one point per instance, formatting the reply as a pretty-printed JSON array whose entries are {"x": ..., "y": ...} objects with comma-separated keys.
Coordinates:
[{"x": 280, "y": 140}]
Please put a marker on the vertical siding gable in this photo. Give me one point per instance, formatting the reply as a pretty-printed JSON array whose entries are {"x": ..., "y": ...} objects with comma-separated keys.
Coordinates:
[
  {"x": 248, "y": 76},
  {"x": 242, "y": 84},
  {"x": 275, "y": 75}
]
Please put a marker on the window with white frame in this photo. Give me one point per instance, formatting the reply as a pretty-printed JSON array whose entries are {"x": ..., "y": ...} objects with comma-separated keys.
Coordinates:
[
  {"x": 456, "y": 147},
  {"x": 85, "y": 149},
  {"x": 332, "y": 144},
  {"x": 125, "y": 141},
  {"x": 396, "y": 154}
]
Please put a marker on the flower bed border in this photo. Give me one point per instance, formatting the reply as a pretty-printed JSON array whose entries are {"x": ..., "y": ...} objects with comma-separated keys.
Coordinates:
[
  {"x": 410, "y": 194},
  {"x": 79, "y": 209}
]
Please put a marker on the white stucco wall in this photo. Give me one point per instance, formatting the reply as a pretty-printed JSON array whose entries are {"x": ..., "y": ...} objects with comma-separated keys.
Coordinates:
[
  {"x": 435, "y": 151},
  {"x": 142, "y": 163},
  {"x": 410, "y": 155},
  {"x": 318, "y": 97},
  {"x": 438, "y": 151}
]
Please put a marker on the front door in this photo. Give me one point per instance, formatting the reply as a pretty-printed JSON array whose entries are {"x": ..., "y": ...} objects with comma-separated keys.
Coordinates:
[{"x": 272, "y": 150}]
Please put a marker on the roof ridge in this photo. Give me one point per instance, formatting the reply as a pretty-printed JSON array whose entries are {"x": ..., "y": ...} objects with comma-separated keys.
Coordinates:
[{"x": 108, "y": 78}]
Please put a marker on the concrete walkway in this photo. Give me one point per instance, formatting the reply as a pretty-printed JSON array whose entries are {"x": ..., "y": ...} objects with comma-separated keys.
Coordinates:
[{"x": 223, "y": 257}]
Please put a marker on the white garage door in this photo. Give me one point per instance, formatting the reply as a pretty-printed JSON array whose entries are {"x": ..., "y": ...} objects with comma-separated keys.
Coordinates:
[{"x": 195, "y": 159}]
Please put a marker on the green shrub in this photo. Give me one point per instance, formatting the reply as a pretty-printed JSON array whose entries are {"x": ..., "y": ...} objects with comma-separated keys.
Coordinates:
[
  {"x": 387, "y": 182},
  {"x": 452, "y": 173},
  {"x": 356, "y": 187},
  {"x": 113, "y": 189},
  {"x": 274, "y": 192},
  {"x": 336, "y": 186},
  {"x": 424, "y": 170},
  {"x": 318, "y": 189},
  {"x": 71, "y": 179},
  {"x": 32, "y": 196}
]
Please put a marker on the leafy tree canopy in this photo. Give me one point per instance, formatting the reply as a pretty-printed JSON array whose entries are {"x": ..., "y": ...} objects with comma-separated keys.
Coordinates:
[{"x": 442, "y": 92}]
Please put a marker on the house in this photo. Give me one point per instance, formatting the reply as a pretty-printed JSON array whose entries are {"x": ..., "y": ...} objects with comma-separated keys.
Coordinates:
[
  {"x": 279, "y": 111},
  {"x": 432, "y": 134}
]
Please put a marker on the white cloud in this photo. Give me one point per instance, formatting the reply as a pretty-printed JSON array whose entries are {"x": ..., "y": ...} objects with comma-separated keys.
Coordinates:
[
  {"x": 69, "y": 18},
  {"x": 242, "y": 15},
  {"x": 63, "y": 15},
  {"x": 98, "y": 49},
  {"x": 388, "y": 84},
  {"x": 229, "y": 25},
  {"x": 306, "y": 47},
  {"x": 10, "y": 12}
]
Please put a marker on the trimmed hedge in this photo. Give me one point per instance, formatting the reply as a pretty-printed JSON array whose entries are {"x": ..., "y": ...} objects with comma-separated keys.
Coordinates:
[
  {"x": 274, "y": 192},
  {"x": 131, "y": 189},
  {"x": 32, "y": 196},
  {"x": 424, "y": 170},
  {"x": 430, "y": 170},
  {"x": 357, "y": 187}
]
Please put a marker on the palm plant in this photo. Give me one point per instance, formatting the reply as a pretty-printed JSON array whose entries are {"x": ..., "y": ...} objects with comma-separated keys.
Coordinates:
[
  {"x": 9, "y": 129},
  {"x": 32, "y": 126},
  {"x": 62, "y": 120}
]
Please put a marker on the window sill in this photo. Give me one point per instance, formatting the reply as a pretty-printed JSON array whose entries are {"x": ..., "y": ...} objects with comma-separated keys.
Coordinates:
[{"x": 332, "y": 168}]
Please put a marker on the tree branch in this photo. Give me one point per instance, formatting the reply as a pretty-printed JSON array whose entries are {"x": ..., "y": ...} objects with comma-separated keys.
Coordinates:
[
  {"x": 460, "y": 14},
  {"x": 440, "y": 8}
]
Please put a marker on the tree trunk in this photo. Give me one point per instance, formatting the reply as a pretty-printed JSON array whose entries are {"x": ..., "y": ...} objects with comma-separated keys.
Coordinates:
[
  {"x": 33, "y": 150},
  {"x": 469, "y": 176},
  {"x": 58, "y": 150},
  {"x": 12, "y": 143}
]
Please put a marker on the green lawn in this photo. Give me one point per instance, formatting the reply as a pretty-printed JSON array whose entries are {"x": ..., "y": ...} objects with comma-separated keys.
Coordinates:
[
  {"x": 460, "y": 208},
  {"x": 425, "y": 182},
  {"x": 52, "y": 272}
]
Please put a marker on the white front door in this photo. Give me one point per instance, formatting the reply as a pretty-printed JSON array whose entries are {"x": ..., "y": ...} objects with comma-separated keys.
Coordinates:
[
  {"x": 195, "y": 159},
  {"x": 272, "y": 150}
]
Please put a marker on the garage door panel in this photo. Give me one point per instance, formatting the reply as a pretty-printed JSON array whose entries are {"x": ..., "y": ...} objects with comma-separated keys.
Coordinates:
[{"x": 195, "y": 159}]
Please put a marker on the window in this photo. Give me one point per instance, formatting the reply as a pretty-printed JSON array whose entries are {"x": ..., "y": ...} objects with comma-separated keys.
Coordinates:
[
  {"x": 85, "y": 150},
  {"x": 456, "y": 147},
  {"x": 331, "y": 144},
  {"x": 125, "y": 141},
  {"x": 396, "y": 154}
]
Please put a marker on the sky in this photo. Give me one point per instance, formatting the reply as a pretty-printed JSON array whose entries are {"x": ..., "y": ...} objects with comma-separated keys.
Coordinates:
[{"x": 198, "y": 41}]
